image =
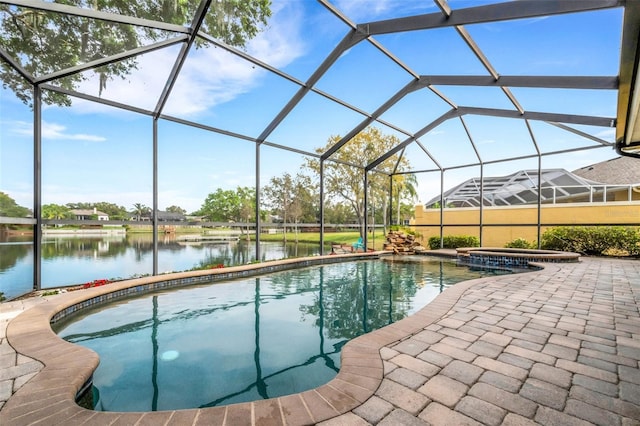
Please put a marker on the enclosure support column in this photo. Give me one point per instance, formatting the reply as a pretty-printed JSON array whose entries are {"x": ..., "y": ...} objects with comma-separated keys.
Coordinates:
[
  {"x": 481, "y": 200},
  {"x": 366, "y": 209},
  {"x": 321, "y": 208},
  {"x": 37, "y": 187},
  {"x": 475, "y": 149},
  {"x": 539, "y": 198},
  {"x": 155, "y": 196},
  {"x": 441, "y": 208},
  {"x": 535, "y": 144},
  {"x": 257, "y": 230},
  {"x": 390, "y": 213}
]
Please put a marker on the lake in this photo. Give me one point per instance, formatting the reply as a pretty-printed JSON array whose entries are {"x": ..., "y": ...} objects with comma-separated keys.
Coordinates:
[{"x": 77, "y": 260}]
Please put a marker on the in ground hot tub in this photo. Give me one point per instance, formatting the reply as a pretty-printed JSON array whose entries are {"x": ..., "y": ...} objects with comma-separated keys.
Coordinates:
[{"x": 512, "y": 257}]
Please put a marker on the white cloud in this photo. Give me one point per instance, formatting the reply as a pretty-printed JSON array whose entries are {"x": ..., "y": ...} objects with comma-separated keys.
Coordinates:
[
  {"x": 53, "y": 131},
  {"x": 209, "y": 77}
]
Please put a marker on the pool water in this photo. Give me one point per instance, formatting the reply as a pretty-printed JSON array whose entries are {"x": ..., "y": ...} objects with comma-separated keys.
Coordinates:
[{"x": 251, "y": 338}]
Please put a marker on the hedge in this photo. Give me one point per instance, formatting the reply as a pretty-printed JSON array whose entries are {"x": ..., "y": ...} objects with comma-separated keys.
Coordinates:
[
  {"x": 521, "y": 243},
  {"x": 593, "y": 240},
  {"x": 454, "y": 241}
]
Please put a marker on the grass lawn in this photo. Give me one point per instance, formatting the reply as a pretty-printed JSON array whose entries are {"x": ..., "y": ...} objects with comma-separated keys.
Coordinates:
[{"x": 346, "y": 238}]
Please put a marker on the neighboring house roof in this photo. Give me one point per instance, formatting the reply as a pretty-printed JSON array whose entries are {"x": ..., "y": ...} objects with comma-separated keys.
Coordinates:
[
  {"x": 617, "y": 171},
  {"x": 520, "y": 187},
  {"x": 87, "y": 212},
  {"x": 516, "y": 188},
  {"x": 164, "y": 215}
]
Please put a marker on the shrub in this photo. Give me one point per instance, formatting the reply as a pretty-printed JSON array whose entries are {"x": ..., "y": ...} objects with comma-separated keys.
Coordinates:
[
  {"x": 521, "y": 243},
  {"x": 454, "y": 241},
  {"x": 593, "y": 240}
]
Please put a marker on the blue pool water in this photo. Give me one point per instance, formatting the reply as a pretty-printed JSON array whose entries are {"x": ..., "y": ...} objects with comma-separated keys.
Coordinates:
[{"x": 251, "y": 338}]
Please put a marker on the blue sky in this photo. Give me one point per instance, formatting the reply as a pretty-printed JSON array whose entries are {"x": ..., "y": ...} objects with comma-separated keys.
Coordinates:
[{"x": 96, "y": 153}]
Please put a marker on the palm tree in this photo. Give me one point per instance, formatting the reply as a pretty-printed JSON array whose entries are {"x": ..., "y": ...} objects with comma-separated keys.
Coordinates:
[
  {"x": 139, "y": 210},
  {"x": 404, "y": 187}
]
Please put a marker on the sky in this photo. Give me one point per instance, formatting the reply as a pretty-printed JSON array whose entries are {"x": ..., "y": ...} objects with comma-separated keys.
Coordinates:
[{"x": 92, "y": 152}]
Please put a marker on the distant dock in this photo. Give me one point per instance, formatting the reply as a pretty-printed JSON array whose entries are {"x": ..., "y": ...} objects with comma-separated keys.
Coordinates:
[{"x": 196, "y": 238}]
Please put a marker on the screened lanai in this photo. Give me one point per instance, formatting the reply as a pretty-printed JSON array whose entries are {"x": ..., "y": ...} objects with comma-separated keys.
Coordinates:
[
  {"x": 367, "y": 104},
  {"x": 519, "y": 188}
]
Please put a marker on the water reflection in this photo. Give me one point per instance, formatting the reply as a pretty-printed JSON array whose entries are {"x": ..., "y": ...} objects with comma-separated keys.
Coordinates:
[{"x": 70, "y": 260}]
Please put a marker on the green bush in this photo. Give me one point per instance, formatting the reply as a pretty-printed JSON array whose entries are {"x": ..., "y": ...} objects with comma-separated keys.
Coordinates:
[
  {"x": 454, "y": 241},
  {"x": 521, "y": 243},
  {"x": 593, "y": 240}
]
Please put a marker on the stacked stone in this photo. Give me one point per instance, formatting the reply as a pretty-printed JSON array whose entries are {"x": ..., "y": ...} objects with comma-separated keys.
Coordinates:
[{"x": 401, "y": 243}]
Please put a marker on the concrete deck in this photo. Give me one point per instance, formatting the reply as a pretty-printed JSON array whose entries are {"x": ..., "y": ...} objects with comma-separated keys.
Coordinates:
[{"x": 560, "y": 346}]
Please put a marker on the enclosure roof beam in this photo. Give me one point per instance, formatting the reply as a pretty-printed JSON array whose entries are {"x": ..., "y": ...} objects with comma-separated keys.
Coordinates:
[
  {"x": 198, "y": 19},
  {"x": 375, "y": 43},
  {"x": 473, "y": 145},
  {"x": 532, "y": 136},
  {"x": 248, "y": 138},
  {"x": 502, "y": 160},
  {"x": 16, "y": 66},
  {"x": 541, "y": 116},
  {"x": 408, "y": 88},
  {"x": 96, "y": 14},
  {"x": 351, "y": 39},
  {"x": 431, "y": 157},
  {"x": 489, "y": 13},
  {"x": 544, "y": 82},
  {"x": 248, "y": 58},
  {"x": 435, "y": 123},
  {"x": 583, "y": 134},
  {"x": 462, "y": 31},
  {"x": 96, "y": 99},
  {"x": 111, "y": 59}
]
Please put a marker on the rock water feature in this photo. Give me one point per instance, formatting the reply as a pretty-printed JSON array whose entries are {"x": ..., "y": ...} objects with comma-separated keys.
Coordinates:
[{"x": 401, "y": 243}]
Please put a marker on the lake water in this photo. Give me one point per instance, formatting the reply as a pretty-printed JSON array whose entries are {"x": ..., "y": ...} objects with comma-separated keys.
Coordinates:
[{"x": 76, "y": 260}]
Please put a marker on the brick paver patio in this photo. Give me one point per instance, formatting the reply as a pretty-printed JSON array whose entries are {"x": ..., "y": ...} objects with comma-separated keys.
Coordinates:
[{"x": 556, "y": 347}]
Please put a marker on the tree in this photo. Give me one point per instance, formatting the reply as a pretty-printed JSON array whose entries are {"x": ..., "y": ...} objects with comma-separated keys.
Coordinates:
[
  {"x": 346, "y": 183},
  {"x": 140, "y": 210},
  {"x": 229, "y": 205},
  {"x": 406, "y": 212},
  {"x": 176, "y": 209},
  {"x": 114, "y": 211},
  {"x": 404, "y": 190},
  {"x": 56, "y": 212},
  {"x": 45, "y": 42},
  {"x": 9, "y": 207},
  {"x": 339, "y": 213},
  {"x": 292, "y": 199}
]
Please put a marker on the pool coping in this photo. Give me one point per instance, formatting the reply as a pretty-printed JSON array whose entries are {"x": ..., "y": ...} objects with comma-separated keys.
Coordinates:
[{"x": 49, "y": 397}]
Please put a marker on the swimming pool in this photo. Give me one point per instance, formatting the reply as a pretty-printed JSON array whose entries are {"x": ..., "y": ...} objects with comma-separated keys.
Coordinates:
[{"x": 250, "y": 338}]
